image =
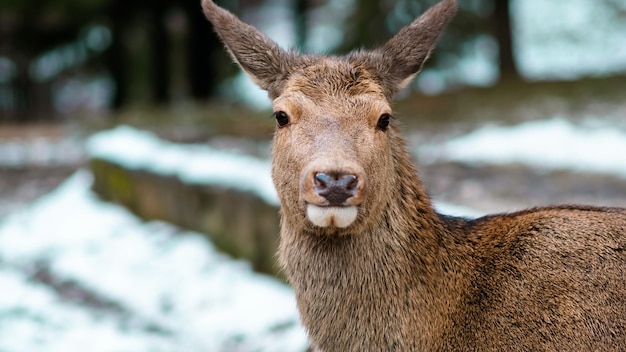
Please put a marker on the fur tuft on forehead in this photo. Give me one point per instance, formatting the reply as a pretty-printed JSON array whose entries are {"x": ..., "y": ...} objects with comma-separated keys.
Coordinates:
[{"x": 334, "y": 77}]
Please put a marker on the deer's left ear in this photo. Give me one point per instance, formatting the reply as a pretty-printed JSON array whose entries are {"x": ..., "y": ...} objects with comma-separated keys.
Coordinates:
[
  {"x": 402, "y": 57},
  {"x": 262, "y": 59}
]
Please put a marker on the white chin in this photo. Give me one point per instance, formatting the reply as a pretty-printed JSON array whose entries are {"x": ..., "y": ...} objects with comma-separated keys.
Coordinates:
[{"x": 331, "y": 216}]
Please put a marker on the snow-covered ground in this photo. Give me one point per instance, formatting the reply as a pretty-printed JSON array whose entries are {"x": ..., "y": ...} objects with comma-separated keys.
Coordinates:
[
  {"x": 549, "y": 144},
  {"x": 173, "y": 291},
  {"x": 193, "y": 164}
]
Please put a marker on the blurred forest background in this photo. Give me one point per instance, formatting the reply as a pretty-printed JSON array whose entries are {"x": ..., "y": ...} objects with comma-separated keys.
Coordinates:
[{"x": 70, "y": 57}]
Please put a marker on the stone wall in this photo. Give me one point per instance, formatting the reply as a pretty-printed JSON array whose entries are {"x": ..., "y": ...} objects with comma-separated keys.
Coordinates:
[{"x": 238, "y": 222}]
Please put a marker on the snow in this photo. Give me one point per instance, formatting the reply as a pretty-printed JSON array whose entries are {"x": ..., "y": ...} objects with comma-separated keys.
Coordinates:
[
  {"x": 32, "y": 318},
  {"x": 550, "y": 144},
  {"x": 181, "y": 293},
  {"x": 457, "y": 210},
  {"x": 196, "y": 164}
]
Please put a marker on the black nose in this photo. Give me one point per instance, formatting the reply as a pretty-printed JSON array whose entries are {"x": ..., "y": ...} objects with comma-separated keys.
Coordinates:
[{"x": 336, "y": 187}]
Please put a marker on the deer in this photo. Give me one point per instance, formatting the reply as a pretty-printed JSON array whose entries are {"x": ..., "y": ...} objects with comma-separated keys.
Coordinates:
[{"x": 373, "y": 266}]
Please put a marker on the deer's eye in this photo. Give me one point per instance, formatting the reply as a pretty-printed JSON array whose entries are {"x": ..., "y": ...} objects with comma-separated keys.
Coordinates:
[
  {"x": 282, "y": 119},
  {"x": 383, "y": 122}
]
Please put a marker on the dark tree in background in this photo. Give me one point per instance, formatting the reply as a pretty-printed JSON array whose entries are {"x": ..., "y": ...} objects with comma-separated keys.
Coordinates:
[
  {"x": 503, "y": 33},
  {"x": 374, "y": 21},
  {"x": 160, "y": 46},
  {"x": 202, "y": 49},
  {"x": 116, "y": 56},
  {"x": 31, "y": 29}
]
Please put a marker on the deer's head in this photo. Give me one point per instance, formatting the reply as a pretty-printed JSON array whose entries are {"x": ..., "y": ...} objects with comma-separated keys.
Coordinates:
[{"x": 335, "y": 146}]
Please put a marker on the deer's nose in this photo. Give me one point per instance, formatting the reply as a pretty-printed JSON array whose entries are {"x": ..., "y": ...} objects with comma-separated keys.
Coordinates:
[{"x": 336, "y": 187}]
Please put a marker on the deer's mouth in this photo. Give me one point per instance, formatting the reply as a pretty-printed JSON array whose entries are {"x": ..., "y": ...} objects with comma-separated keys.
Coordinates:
[{"x": 327, "y": 216}]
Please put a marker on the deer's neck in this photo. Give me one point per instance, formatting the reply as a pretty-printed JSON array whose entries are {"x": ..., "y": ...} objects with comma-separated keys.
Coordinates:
[{"x": 384, "y": 287}]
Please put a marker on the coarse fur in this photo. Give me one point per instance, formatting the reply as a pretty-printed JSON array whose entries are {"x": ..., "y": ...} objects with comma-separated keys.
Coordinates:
[{"x": 399, "y": 276}]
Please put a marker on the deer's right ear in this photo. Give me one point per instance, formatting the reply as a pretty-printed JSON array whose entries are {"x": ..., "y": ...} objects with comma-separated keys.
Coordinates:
[
  {"x": 403, "y": 56},
  {"x": 262, "y": 59}
]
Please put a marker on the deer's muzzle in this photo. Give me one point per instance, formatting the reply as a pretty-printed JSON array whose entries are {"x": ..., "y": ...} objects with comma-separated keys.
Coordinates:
[{"x": 332, "y": 195}]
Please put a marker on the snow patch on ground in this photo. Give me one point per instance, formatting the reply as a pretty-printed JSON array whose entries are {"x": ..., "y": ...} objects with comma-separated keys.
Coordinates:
[
  {"x": 196, "y": 164},
  {"x": 33, "y": 318},
  {"x": 195, "y": 298},
  {"x": 550, "y": 144},
  {"x": 457, "y": 210}
]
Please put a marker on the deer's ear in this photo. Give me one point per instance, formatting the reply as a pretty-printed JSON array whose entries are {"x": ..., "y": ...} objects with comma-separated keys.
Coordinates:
[
  {"x": 402, "y": 57},
  {"x": 262, "y": 59}
]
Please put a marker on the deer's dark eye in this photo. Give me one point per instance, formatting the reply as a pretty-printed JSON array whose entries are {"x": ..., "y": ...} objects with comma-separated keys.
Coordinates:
[
  {"x": 282, "y": 119},
  {"x": 383, "y": 122}
]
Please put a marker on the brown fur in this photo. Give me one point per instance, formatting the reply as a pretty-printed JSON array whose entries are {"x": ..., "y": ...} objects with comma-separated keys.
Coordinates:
[{"x": 402, "y": 277}]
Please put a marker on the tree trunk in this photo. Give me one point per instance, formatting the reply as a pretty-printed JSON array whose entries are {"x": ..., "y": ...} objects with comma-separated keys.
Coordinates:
[
  {"x": 201, "y": 46},
  {"x": 502, "y": 22},
  {"x": 160, "y": 53},
  {"x": 117, "y": 55}
]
